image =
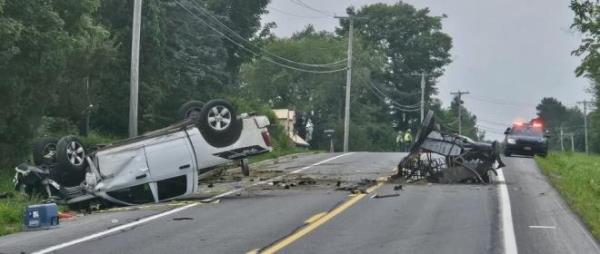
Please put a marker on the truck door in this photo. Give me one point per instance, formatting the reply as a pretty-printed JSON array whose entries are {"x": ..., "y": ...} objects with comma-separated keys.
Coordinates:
[{"x": 172, "y": 165}]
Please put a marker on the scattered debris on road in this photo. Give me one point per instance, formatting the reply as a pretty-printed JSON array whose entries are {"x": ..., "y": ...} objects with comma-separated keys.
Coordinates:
[
  {"x": 386, "y": 195},
  {"x": 182, "y": 218}
]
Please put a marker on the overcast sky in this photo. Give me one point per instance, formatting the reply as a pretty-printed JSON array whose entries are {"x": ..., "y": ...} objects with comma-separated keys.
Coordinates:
[{"x": 507, "y": 53}]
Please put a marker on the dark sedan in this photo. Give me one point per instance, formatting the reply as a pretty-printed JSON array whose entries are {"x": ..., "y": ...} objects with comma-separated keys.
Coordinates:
[{"x": 525, "y": 139}]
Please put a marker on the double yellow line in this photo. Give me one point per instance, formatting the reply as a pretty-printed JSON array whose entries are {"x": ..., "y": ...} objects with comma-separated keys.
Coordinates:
[{"x": 318, "y": 220}]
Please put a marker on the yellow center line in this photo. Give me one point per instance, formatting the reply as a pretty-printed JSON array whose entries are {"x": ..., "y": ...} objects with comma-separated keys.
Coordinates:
[
  {"x": 318, "y": 220},
  {"x": 315, "y": 217}
]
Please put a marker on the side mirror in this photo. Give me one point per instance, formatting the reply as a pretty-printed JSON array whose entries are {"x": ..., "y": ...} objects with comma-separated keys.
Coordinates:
[{"x": 507, "y": 131}]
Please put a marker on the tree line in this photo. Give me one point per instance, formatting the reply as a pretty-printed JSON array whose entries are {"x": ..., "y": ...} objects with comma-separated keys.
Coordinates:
[
  {"x": 587, "y": 22},
  {"x": 63, "y": 60}
]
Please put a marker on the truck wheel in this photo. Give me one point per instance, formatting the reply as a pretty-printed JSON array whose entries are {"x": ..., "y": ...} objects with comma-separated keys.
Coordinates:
[
  {"x": 190, "y": 109},
  {"x": 70, "y": 154},
  {"x": 218, "y": 123},
  {"x": 245, "y": 167},
  {"x": 44, "y": 151}
]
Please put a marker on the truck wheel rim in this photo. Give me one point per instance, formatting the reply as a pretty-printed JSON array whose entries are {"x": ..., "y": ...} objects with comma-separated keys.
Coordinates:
[
  {"x": 219, "y": 118},
  {"x": 75, "y": 153}
]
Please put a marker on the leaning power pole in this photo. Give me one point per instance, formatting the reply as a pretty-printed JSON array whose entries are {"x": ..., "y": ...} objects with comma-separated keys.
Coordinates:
[
  {"x": 348, "y": 82},
  {"x": 459, "y": 94},
  {"x": 135, "y": 63},
  {"x": 585, "y": 125}
]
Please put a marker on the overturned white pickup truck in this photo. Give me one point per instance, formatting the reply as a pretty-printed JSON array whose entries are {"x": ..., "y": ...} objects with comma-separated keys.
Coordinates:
[{"x": 154, "y": 167}]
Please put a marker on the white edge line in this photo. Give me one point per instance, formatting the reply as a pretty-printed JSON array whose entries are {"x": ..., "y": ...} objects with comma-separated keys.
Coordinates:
[
  {"x": 543, "y": 227},
  {"x": 160, "y": 215},
  {"x": 112, "y": 230},
  {"x": 508, "y": 231}
]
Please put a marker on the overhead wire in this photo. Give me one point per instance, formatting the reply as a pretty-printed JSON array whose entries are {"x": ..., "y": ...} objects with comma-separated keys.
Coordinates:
[
  {"x": 305, "y": 5},
  {"x": 376, "y": 89},
  {"x": 253, "y": 52},
  {"x": 296, "y": 15},
  {"x": 383, "y": 97},
  {"x": 241, "y": 38}
]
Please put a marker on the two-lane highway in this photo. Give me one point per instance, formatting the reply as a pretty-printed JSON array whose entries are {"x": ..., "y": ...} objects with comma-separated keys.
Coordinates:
[{"x": 423, "y": 218}]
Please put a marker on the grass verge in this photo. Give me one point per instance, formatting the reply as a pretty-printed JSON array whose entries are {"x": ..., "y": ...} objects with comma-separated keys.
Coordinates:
[
  {"x": 13, "y": 207},
  {"x": 577, "y": 177}
]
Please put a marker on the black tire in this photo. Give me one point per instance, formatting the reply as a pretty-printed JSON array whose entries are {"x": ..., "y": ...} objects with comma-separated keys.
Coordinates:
[
  {"x": 70, "y": 154},
  {"x": 190, "y": 109},
  {"x": 44, "y": 151},
  {"x": 245, "y": 167},
  {"x": 219, "y": 124},
  {"x": 70, "y": 171}
]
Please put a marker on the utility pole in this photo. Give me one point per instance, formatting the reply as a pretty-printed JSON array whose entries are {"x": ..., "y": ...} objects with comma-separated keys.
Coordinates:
[
  {"x": 562, "y": 145},
  {"x": 348, "y": 82},
  {"x": 423, "y": 74},
  {"x": 422, "y": 96},
  {"x": 585, "y": 125},
  {"x": 135, "y": 63},
  {"x": 459, "y": 94},
  {"x": 572, "y": 143}
]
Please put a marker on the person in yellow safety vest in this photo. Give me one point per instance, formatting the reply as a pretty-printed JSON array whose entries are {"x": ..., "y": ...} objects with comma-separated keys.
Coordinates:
[{"x": 408, "y": 139}]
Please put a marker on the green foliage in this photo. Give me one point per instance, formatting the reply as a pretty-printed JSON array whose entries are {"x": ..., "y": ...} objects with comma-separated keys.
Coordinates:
[
  {"x": 556, "y": 115},
  {"x": 587, "y": 22},
  {"x": 59, "y": 57},
  {"x": 412, "y": 42},
  {"x": 40, "y": 42},
  {"x": 577, "y": 178},
  {"x": 12, "y": 208}
]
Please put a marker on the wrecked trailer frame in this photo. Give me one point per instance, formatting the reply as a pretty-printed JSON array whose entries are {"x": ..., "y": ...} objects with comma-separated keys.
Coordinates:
[
  {"x": 445, "y": 157},
  {"x": 157, "y": 166}
]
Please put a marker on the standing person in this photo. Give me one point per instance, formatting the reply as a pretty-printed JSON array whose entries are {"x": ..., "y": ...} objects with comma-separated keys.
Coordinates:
[
  {"x": 408, "y": 139},
  {"x": 400, "y": 141}
]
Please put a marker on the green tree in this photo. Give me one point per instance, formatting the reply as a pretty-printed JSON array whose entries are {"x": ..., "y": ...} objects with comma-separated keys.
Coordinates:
[
  {"x": 587, "y": 21},
  {"x": 557, "y": 116},
  {"x": 39, "y": 41},
  {"x": 412, "y": 41}
]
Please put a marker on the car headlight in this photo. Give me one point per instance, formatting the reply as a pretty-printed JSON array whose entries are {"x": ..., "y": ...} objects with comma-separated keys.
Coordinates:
[{"x": 511, "y": 141}]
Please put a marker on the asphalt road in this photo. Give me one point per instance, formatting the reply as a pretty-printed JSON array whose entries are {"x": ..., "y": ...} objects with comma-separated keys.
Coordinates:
[
  {"x": 543, "y": 222},
  {"x": 316, "y": 218}
]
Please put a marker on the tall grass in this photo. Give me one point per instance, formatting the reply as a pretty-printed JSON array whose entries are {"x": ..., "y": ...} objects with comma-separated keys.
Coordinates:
[{"x": 577, "y": 177}]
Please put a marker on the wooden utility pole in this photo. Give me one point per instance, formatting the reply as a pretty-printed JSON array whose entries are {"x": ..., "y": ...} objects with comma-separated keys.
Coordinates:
[
  {"x": 585, "y": 104},
  {"x": 459, "y": 94}
]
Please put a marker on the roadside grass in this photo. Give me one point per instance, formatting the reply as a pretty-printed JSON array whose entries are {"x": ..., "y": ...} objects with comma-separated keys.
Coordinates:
[
  {"x": 577, "y": 177},
  {"x": 12, "y": 207}
]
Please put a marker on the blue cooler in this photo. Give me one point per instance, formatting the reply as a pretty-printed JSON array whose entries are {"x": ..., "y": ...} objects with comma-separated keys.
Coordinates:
[{"x": 41, "y": 216}]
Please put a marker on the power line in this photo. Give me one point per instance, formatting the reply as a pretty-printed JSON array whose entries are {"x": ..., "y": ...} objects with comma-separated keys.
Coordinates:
[
  {"x": 208, "y": 14},
  {"x": 253, "y": 52},
  {"x": 382, "y": 96},
  {"x": 296, "y": 15},
  {"x": 303, "y": 4},
  {"x": 392, "y": 101}
]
